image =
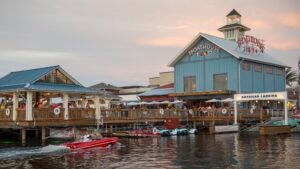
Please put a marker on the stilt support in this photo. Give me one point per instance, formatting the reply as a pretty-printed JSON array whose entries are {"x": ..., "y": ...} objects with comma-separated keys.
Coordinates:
[{"x": 23, "y": 136}]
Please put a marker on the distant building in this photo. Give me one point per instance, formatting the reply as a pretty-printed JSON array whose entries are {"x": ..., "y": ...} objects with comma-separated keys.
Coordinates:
[
  {"x": 214, "y": 67},
  {"x": 107, "y": 87},
  {"x": 164, "y": 78}
]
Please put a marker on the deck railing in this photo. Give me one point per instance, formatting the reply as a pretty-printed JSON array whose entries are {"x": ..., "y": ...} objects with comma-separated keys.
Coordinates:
[
  {"x": 81, "y": 113},
  {"x": 84, "y": 114},
  {"x": 6, "y": 114}
]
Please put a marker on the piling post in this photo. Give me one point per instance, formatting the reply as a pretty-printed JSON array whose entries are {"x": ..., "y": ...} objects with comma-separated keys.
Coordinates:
[
  {"x": 194, "y": 124},
  {"x": 111, "y": 128},
  {"x": 23, "y": 136},
  {"x": 43, "y": 135}
]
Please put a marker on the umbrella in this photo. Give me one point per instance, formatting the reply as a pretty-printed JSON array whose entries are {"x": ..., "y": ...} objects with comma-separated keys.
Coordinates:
[
  {"x": 177, "y": 102},
  {"x": 151, "y": 103},
  {"x": 164, "y": 102},
  {"x": 227, "y": 100},
  {"x": 212, "y": 101}
]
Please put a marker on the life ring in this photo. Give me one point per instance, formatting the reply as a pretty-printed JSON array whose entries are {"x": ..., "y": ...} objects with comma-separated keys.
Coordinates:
[
  {"x": 7, "y": 112},
  {"x": 191, "y": 111},
  {"x": 56, "y": 111},
  {"x": 224, "y": 111},
  {"x": 161, "y": 111},
  {"x": 154, "y": 130}
]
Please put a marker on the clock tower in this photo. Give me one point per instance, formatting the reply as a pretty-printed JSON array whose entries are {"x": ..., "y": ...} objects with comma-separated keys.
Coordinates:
[{"x": 233, "y": 28}]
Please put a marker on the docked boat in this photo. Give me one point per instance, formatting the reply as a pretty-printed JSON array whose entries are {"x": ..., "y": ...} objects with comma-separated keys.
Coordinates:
[
  {"x": 104, "y": 142},
  {"x": 193, "y": 131},
  {"x": 138, "y": 133}
]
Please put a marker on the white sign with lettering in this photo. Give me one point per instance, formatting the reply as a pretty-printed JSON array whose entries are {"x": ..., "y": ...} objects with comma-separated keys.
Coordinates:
[{"x": 261, "y": 96}]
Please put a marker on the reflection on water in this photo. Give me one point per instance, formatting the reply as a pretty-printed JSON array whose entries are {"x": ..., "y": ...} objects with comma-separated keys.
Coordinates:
[{"x": 200, "y": 151}]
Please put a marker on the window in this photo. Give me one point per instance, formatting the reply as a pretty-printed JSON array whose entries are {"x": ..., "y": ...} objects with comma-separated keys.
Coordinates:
[
  {"x": 269, "y": 69},
  {"x": 220, "y": 81},
  {"x": 279, "y": 71},
  {"x": 246, "y": 66},
  {"x": 230, "y": 33},
  {"x": 257, "y": 68},
  {"x": 56, "y": 77},
  {"x": 189, "y": 83}
]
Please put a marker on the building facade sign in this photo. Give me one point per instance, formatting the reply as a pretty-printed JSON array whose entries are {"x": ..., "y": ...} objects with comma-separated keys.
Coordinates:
[
  {"x": 260, "y": 96},
  {"x": 204, "y": 48},
  {"x": 251, "y": 45}
]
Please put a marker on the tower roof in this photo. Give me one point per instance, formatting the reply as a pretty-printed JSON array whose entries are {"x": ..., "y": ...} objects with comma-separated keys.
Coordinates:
[{"x": 233, "y": 12}]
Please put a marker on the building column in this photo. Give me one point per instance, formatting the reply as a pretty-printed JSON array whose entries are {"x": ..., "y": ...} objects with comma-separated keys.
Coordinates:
[
  {"x": 235, "y": 112},
  {"x": 29, "y": 106},
  {"x": 285, "y": 110},
  {"x": 97, "y": 107},
  {"x": 15, "y": 105},
  {"x": 66, "y": 106}
]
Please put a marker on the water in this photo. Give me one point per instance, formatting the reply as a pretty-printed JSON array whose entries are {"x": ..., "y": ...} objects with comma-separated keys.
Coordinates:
[{"x": 199, "y": 151}]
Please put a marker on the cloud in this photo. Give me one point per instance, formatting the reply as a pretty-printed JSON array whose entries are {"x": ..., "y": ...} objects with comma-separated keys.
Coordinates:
[{"x": 290, "y": 20}]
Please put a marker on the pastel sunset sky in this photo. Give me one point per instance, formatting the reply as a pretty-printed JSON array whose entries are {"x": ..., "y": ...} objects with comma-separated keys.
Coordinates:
[{"x": 124, "y": 42}]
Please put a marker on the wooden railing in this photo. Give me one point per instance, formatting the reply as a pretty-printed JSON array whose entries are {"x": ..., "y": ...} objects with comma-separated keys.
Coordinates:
[
  {"x": 81, "y": 113},
  {"x": 134, "y": 115},
  {"x": 6, "y": 114},
  {"x": 21, "y": 114},
  {"x": 47, "y": 113}
]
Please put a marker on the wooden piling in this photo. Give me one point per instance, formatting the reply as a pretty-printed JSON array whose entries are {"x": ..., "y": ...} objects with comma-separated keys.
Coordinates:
[{"x": 23, "y": 136}]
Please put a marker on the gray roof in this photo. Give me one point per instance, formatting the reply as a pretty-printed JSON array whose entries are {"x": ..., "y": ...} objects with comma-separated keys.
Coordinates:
[
  {"x": 105, "y": 86},
  {"x": 233, "y": 12},
  {"x": 158, "y": 92},
  {"x": 230, "y": 47},
  {"x": 230, "y": 26}
]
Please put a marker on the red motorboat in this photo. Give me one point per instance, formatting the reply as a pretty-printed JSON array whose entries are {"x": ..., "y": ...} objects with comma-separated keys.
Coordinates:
[
  {"x": 104, "y": 142},
  {"x": 296, "y": 116}
]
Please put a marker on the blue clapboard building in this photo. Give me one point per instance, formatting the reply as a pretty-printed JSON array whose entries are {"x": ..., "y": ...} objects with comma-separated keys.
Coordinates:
[{"x": 214, "y": 67}]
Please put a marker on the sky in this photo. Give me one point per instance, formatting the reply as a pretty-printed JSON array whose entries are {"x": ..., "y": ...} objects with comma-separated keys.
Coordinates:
[{"x": 124, "y": 42}]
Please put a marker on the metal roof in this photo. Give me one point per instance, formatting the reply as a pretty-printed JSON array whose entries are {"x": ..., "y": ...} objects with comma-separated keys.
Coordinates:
[
  {"x": 26, "y": 80},
  {"x": 233, "y": 12},
  {"x": 230, "y": 47},
  {"x": 158, "y": 92},
  {"x": 25, "y": 76},
  {"x": 231, "y": 26}
]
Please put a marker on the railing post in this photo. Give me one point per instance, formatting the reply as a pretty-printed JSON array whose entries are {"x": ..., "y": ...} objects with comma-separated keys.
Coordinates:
[
  {"x": 66, "y": 106},
  {"x": 235, "y": 112},
  {"x": 15, "y": 105},
  {"x": 29, "y": 106},
  {"x": 97, "y": 107}
]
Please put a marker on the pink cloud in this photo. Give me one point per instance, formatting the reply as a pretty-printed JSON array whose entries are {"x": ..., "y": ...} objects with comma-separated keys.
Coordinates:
[{"x": 290, "y": 20}]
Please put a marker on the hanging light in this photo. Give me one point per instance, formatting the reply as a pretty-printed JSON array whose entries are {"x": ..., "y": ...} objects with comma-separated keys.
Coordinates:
[
  {"x": 256, "y": 101},
  {"x": 268, "y": 101}
]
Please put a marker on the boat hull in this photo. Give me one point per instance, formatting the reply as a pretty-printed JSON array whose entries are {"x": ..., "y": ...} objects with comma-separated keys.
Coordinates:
[{"x": 91, "y": 144}]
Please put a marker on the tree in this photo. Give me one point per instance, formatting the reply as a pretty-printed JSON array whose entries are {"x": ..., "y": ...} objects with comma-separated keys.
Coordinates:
[{"x": 291, "y": 76}]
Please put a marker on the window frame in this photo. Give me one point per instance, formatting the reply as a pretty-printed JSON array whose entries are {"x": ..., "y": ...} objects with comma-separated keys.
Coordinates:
[
  {"x": 269, "y": 68},
  {"x": 279, "y": 70},
  {"x": 188, "y": 85},
  {"x": 256, "y": 65},
  {"x": 226, "y": 79},
  {"x": 246, "y": 63}
]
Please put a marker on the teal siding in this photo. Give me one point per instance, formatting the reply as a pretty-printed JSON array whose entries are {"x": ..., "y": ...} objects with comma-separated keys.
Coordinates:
[
  {"x": 252, "y": 81},
  {"x": 204, "y": 68},
  {"x": 219, "y": 62}
]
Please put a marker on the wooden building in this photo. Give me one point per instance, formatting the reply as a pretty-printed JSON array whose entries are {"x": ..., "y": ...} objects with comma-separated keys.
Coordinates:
[{"x": 213, "y": 67}]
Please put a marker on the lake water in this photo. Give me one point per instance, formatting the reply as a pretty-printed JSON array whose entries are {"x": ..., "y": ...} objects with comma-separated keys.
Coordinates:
[{"x": 194, "y": 151}]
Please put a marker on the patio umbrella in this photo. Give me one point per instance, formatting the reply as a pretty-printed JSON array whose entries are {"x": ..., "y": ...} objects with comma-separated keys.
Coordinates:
[
  {"x": 177, "y": 102},
  {"x": 164, "y": 102},
  {"x": 227, "y": 100},
  {"x": 212, "y": 101}
]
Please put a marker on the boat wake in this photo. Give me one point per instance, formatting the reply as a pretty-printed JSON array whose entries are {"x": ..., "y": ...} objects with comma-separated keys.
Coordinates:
[{"x": 32, "y": 151}]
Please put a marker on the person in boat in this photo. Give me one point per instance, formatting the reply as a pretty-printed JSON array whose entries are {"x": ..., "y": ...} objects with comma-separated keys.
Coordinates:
[
  {"x": 87, "y": 138},
  {"x": 96, "y": 135}
]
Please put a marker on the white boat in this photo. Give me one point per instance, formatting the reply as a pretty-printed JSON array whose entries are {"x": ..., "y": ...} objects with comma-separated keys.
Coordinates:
[{"x": 193, "y": 131}]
